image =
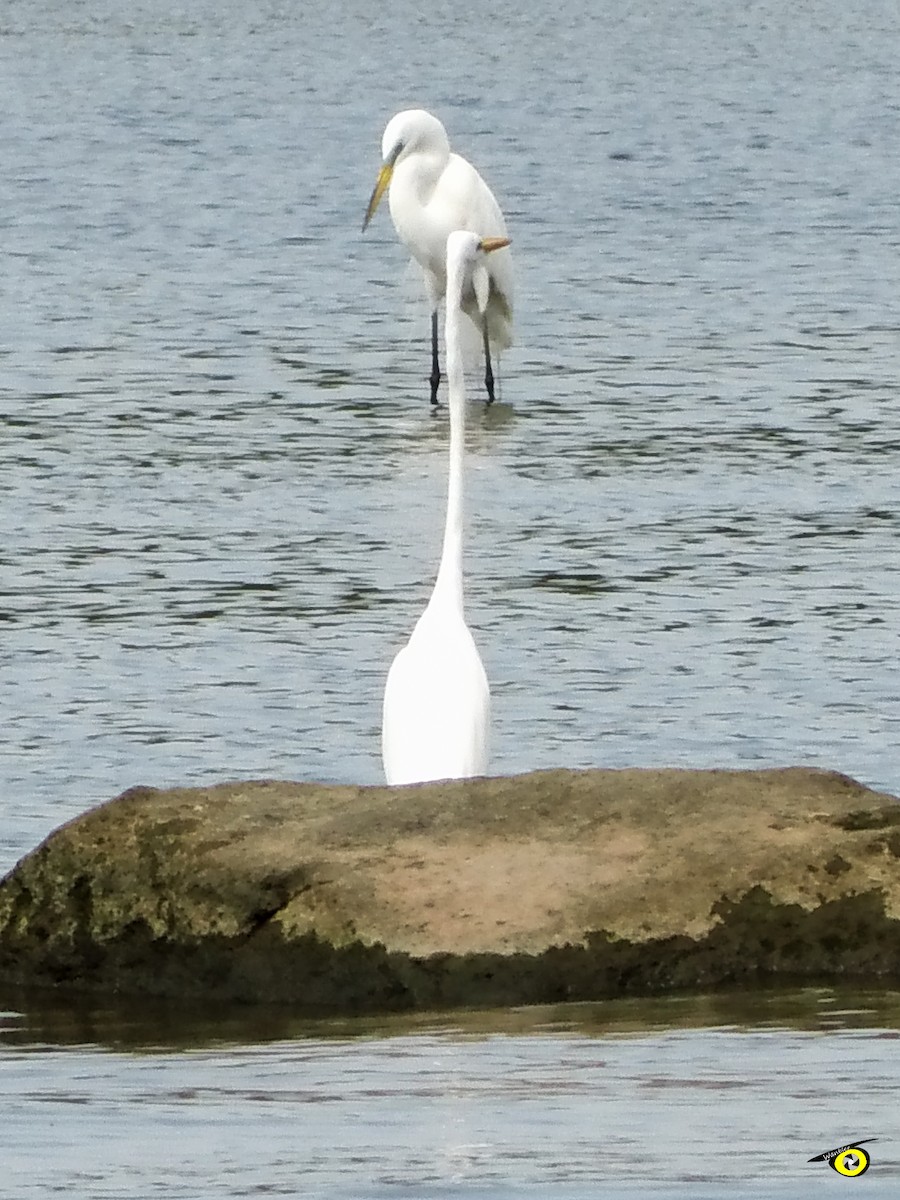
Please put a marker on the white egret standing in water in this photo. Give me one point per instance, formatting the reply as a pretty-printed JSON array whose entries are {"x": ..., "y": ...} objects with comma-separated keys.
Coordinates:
[
  {"x": 437, "y": 703},
  {"x": 432, "y": 193}
]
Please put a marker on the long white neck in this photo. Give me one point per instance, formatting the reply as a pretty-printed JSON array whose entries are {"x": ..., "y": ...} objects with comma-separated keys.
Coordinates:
[
  {"x": 449, "y": 584},
  {"x": 421, "y": 172}
]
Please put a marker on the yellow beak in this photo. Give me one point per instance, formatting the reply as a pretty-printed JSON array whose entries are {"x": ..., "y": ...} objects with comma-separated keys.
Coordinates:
[
  {"x": 489, "y": 244},
  {"x": 381, "y": 185}
]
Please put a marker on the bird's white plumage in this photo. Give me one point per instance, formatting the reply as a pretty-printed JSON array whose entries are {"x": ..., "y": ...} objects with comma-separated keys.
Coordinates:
[
  {"x": 437, "y": 704},
  {"x": 434, "y": 192}
]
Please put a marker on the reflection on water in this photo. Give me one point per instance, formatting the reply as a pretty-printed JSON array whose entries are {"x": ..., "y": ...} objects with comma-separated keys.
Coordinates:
[
  {"x": 36, "y": 1019},
  {"x": 655, "y": 1098}
]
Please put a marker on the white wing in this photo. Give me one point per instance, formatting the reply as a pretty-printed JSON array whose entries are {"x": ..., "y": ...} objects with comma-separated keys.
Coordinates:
[
  {"x": 427, "y": 210},
  {"x": 462, "y": 200}
]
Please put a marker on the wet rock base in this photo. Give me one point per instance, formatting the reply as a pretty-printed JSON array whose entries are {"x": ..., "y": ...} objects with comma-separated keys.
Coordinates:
[
  {"x": 558, "y": 886},
  {"x": 754, "y": 941}
]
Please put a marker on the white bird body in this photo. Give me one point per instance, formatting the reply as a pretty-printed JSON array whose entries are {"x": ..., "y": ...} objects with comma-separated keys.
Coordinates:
[
  {"x": 434, "y": 192},
  {"x": 431, "y": 195},
  {"x": 437, "y": 702}
]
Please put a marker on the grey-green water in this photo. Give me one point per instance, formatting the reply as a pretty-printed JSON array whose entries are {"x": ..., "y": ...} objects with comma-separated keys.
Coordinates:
[
  {"x": 221, "y": 485},
  {"x": 711, "y": 1097},
  {"x": 221, "y": 498}
]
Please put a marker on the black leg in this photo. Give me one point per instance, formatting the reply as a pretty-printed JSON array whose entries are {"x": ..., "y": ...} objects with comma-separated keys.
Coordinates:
[
  {"x": 488, "y": 370},
  {"x": 435, "y": 377}
]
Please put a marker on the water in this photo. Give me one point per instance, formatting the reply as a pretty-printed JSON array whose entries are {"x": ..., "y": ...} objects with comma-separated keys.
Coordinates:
[
  {"x": 222, "y": 489},
  {"x": 707, "y": 1097},
  {"x": 221, "y": 496}
]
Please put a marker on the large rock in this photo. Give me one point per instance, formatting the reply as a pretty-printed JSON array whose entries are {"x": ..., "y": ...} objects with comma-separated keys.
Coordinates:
[{"x": 542, "y": 887}]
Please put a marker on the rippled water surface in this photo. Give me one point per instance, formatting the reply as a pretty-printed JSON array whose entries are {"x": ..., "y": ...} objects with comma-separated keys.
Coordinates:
[
  {"x": 222, "y": 486},
  {"x": 221, "y": 497},
  {"x": 712, "y": 1097}
]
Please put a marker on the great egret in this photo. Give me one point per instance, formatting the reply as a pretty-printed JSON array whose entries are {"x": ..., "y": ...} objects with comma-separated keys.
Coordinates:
[
  {"x": 437, "y": 703},
  {"x": 432, "y": 193}
]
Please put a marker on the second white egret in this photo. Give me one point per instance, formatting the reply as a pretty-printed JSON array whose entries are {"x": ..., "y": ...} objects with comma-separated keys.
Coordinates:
[
  {"x": 437, "y": 702},
  {"x": 432, "y": 193}
]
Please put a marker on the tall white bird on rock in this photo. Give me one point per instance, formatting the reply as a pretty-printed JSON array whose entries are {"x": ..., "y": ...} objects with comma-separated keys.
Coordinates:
[
  {"x": 432, "y": 193},
  {"x": 437, "y": 703}
]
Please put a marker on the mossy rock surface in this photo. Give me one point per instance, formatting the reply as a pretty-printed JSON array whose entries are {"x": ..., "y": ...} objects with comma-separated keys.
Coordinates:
[{"x": 529, "y": 889}]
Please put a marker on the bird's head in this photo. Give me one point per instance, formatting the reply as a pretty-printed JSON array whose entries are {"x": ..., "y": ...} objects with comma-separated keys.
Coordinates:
[
  {"x": 465, "y": 264},
  {"x": 409, "y": 131},
  {"x": 466, "y": 247}
]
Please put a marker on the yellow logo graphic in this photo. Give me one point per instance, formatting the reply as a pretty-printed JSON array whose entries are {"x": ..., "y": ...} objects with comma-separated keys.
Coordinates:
[{"x": 848, "y": 1160}]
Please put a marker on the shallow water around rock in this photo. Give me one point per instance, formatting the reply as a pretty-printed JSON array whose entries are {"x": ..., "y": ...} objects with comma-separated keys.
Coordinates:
[{"x": 724, "y": 1096}]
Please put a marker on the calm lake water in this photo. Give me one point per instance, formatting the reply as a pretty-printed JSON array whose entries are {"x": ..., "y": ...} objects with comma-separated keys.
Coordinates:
[
  {"x": 703, "y": 1098},
  {"x": 222, "y": 489}
]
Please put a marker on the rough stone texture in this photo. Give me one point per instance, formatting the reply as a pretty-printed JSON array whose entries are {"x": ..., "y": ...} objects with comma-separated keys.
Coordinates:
[{"x": 550, "y": 886}]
